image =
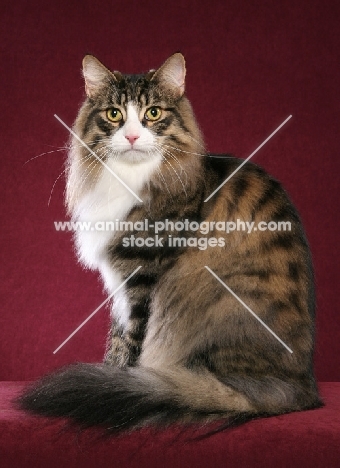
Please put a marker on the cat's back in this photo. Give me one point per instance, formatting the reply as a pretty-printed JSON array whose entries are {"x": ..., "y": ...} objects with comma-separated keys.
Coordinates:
[
  {"x": 263, "y": 253},
  {"x": 251, "y": 201}
]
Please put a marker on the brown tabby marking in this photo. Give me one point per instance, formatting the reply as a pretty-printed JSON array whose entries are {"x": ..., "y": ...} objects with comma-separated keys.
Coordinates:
[{"x": 188, "y": 349}]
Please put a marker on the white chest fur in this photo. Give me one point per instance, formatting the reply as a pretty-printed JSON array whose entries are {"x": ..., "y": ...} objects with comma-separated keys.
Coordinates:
[{"x": 107, "y": 201}]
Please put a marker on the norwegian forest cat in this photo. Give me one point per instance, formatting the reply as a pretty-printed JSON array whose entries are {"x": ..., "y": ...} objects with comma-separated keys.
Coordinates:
[{"x": 181, "y": 347}]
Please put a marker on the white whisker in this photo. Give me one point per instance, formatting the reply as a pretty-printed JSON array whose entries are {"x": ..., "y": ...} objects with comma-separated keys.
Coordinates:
[
  {"x": 183, "y": 151},
  {"x": 166, "y": 160},
  {"x": 190, "y": 136},
  {"x": 50, "y": 197}
]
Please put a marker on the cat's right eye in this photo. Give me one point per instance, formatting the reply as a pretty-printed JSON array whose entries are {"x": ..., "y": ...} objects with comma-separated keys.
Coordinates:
[{"x": 114, "y": 115}]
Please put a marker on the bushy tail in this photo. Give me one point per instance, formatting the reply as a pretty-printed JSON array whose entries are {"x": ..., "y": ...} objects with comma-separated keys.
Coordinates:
[{"x": 124, "y": 399}]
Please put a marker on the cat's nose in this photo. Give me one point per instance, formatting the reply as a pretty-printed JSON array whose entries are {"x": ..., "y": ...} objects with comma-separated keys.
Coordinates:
[{"x": 132, "y": 138}]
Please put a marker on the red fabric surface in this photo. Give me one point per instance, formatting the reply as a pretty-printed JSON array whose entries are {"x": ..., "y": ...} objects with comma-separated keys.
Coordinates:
[{"x": 306, "y": 439}]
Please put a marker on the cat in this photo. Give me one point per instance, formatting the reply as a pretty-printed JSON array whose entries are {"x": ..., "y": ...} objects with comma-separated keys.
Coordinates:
[{"x": 181, "y": 347}]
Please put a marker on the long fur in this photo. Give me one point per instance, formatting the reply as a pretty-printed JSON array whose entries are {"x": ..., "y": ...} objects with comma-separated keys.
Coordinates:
[
  {"x": 121, "y": 400},
  {"x": 181, "y": 348},
  {"x": 117, "y": 399}
]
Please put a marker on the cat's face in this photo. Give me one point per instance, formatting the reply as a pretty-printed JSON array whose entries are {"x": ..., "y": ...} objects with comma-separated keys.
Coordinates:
[
  {"x": 134, "y": 124},
  {"x": 131, "y": 118}
]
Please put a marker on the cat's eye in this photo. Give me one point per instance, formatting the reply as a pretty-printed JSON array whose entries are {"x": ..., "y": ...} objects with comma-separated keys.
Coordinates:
[
  {"x": 153, "y": 114},
  {"x": 114, "y": 115}
]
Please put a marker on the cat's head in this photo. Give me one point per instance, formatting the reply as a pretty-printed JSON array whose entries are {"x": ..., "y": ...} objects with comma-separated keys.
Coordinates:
[{"x": 134, "y": 119}]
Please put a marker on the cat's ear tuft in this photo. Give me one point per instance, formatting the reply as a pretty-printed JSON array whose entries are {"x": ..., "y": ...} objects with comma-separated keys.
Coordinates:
[
  {"x": 96, "y": 75},
  {"x": 172, "y": 74}
]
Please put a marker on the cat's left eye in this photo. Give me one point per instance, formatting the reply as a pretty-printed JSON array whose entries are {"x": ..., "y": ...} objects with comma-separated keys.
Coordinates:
[
  {"x": 153, "y": 114},
  {"x": 114, "y": 115}
]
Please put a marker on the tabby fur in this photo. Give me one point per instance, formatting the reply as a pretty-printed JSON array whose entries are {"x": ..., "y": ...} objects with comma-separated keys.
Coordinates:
[{"x": 181, "y": 347}]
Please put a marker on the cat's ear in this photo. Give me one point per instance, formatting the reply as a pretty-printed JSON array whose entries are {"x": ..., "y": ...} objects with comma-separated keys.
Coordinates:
[
  {"x": 96, "y": 75},
  {"x": 171, "y": 74}
]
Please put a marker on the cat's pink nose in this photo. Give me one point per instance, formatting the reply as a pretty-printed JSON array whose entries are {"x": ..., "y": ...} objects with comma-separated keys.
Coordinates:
[{"x": 132, "y": 138}]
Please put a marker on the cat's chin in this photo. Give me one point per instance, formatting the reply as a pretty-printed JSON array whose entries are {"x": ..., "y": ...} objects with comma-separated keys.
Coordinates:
[{"x": 135, "y": 156}]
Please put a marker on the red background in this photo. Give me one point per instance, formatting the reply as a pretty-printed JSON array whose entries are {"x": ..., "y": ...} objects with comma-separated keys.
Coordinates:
[{"x": 250, "y": 65}]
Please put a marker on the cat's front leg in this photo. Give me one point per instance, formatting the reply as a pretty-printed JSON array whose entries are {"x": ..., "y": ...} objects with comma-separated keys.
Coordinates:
[
  {"x": 117, "y": 352},
  {"x": 124, "y": 345}
]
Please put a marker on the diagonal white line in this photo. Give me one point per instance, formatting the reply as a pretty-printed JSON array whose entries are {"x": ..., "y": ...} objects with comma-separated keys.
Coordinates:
[
  {"x": 98, "y": 159},
  {"x": 246, "y": 160},
  {"x": 249, "y": 310},
  {"x": 95, "y": 311}
]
